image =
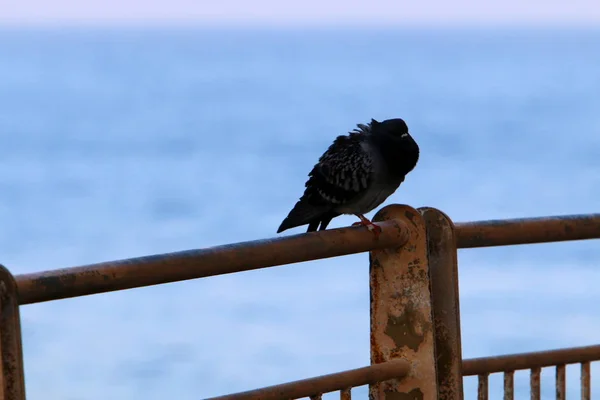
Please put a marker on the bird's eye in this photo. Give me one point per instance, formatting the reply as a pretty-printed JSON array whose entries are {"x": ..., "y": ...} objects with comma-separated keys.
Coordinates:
[{"x": 404, "y": 135}]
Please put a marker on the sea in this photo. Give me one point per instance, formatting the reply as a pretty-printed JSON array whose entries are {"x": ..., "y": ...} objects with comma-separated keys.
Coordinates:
[{"x": 124, "y": 142}]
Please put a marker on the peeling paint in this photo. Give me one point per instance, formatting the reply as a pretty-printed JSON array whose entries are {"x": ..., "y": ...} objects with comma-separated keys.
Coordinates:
[
  {"x": 401, "y": 316},
  {"x": 414, "y": 394},
  {"x": 408, "y": 329}
]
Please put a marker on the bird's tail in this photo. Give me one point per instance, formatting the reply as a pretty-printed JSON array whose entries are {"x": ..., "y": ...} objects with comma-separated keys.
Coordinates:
[{"x": 302, "y": 214}]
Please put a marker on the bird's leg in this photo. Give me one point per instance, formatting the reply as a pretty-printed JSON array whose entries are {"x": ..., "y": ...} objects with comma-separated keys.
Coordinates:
[{"x": 370, "y": 226}]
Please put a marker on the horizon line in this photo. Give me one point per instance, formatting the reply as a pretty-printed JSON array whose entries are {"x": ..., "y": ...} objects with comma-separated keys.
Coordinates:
[{"x": 187, "y": 23}]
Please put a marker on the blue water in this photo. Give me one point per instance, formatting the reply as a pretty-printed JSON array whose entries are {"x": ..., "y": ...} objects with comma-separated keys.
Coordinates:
[{"x": 124, "y": 143}]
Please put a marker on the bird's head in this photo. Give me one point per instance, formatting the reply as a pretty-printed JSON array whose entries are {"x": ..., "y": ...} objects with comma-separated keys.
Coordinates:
[
  {"x": 395, "y": 129},
  {"x": 396, "y": 144}
]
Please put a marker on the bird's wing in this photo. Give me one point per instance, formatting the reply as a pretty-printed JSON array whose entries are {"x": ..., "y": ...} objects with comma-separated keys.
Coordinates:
[{"x": 342, "y": 173}]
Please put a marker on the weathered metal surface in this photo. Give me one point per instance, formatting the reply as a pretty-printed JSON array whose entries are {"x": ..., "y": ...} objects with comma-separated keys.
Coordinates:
[
  {"x": 482, "y": 387},
  {"x": 513, "y": 362},
  {"x": 527, "y": 230},
  {"x": 346, "y": 394},
  {"x": 401, "y": 315},
  {"x": 586, "y": 389},
  {"x": 561, "y": 389},
  {"x": 534, "y": 383},
  {"x": 509, "y": 385},
  {"x": 325, "y": 383},
  {"x": 443, "y": 269},
  {"x": 179, "y": 266},
  {"x": 11, "y": 351}
]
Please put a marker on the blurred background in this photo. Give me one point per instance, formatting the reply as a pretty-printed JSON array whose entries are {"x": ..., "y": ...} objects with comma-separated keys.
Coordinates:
[{"x": 136, "y": 127}]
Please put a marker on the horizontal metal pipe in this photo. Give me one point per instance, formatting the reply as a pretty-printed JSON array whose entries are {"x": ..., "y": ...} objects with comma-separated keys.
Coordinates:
[
  {"x": 325, "y": 383},
  {"x": 539, "y": 359},
  {"x": 179, "y": 266},
  {"x": 152, "y": 270},
  {"x": 527, "y": 230}
]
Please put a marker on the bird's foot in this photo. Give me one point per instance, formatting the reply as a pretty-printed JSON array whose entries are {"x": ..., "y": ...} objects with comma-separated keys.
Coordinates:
[{"x": 370, "y": 226}]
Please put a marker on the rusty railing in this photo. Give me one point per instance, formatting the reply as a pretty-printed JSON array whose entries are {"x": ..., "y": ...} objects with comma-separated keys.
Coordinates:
[
  {"x": 415, "y": 312},
  {"x": 508, "y": 364}
]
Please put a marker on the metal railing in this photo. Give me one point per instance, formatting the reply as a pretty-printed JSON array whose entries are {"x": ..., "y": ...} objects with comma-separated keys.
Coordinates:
[
  {"x": 415, "y": 312},
  {"x": 315, "y": 387},
  {"x": 508, "y": 364}
]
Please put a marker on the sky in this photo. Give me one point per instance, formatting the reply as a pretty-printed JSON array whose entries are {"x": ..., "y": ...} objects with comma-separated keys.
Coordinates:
[{"x": 309, "y": 12}]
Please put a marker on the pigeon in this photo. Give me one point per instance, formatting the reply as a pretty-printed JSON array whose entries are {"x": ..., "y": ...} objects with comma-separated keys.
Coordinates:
[{"x": 357, "y": 173}]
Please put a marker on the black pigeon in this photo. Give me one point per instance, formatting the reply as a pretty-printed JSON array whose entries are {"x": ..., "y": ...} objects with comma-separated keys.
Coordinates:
[{"x": 355, "y": 175}]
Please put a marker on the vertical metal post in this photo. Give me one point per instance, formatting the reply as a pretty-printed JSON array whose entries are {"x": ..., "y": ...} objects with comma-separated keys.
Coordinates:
[
  {"x": 586, "y": 390},
  {"x": 12, "y": 385},
  {"x": 509, "y": 385},
  {"x": 561, "y": 386},
  {"x": 534, "y": 382},
  {"x": 401, "y": 315},
  {"x": 346, "y": 394},
  {"x": 482, "y": 387},
  {"x": 443, "y": 268}
]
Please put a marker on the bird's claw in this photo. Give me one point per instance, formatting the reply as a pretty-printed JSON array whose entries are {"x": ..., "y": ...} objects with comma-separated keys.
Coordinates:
[{"x": 370, "y": 226}]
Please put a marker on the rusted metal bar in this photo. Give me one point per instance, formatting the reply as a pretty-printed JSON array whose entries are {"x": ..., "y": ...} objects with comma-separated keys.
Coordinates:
[
  {"x": 346, "y": 394},
  {"x": 179, "y": 266},
  {"x": 325, "y": 383},
  {"x": 401, "y": 315},
  {"x": 534, "y": 383},
  {"x": 527, "y": 230},
  {"x": 11, "y": 350},
  {"x": 172, "y": 267},
  {"x": 482, "y": 387},
  {"x": 509, "y": 385},
  {"x": 513, "y": 362},
  {"x": 586, "y": 389},
  {"x": 561, "y": 385},
  {"x": 443, "y": 268}
]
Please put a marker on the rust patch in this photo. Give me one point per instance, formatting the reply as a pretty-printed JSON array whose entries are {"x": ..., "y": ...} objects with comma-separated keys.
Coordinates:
[
  {"x": 381, "y": 215},
  {"x": 54, "y": 283},
  {"x": 375, "y": 262},
  {"x": 416, "y": 271},
  {"x": 444, "y": 352},
  {"x": 414, "y": 394},
  {"x": 376, "y": 353},
  {"x": 410, "y": 216},
  {"x": 408, "y": 329}
]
